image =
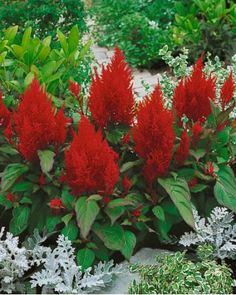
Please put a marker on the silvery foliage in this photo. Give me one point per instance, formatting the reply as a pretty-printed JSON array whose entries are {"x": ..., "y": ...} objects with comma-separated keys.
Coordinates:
[
  {"x": 218, "y": 229},
  {"x": 58, "y": 269}
]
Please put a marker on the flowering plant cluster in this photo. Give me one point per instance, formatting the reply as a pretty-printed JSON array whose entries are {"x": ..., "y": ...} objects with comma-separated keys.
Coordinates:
[{"x": 116, "y": 170}]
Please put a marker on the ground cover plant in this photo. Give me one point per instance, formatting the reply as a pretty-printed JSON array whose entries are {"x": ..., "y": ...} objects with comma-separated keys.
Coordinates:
[
  {"x": 110, "y": 172},
  {"x": 141, "y": 28}
]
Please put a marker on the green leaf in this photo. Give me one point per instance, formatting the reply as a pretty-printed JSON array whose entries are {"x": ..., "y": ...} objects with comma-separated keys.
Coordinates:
[
  {"x": 119, "y": 202},
  {"x": 130, "y": 242},
  {"x": 10, "y": 175},
  {"x": 85, "y": 258},
  {"x": 67, "y": 199},
  {"x": 52, "y": 221},
  {"x": 25, "y": 200},
  {"x": 19, "y": 221},
  {"x": 86, "y": 213},
  {"x": 73, "y": 39},
  {"x": 22, "y": 186},
  {"x": 179, "y": 193},
  {"x": 111, "y": 235},
  {"x": 198, "y": 154},
  {"x": 70, "y": 230},
  {"x": 198, "y": 188},
  {"x": 114, "y": 213},
  {"x": 225, "y": 188},
  {"x": 10, "y": 34},
  {"x": 95, "y": 197},
  {"x": 129, "y": 165},
  {"x": 66, "y": 219},
  {"x": 159, "y": 212},
  {"x": 46, "y": 158},
  {"x": 63, "y": 42}
]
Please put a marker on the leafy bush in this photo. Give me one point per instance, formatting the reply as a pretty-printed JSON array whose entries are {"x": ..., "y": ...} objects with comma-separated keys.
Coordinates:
[
  {"x": 53, "y": 270},
  {"x": 109, "y": 172},
  {"x": 23, "y": 56},
  {"x": 202, "y": 25},
  {"x": 44, "y": 16},
  {"x": 139, "y": 28},
  {"x": 175, "y": 274}
]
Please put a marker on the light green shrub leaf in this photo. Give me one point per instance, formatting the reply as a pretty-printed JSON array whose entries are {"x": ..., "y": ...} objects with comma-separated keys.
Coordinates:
[{"x": 46, "y": 158}]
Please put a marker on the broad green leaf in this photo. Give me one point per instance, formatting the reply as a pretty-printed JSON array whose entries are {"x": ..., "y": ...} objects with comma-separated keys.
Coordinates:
[
  {"x": 119, "y": 202},
  {"x": 25, "y": 200},
  {"x": 130, "y": 242},
  {"x": 67, "y": 199},
  {"x": 95, "y": 197},
  {"x": 114, "y": 213},
  {"x": 66, "y": 219},
  {"x": 70, "y": 230},
  {"x": 46, "y": 158},
  {"x": 225, "y": 188},
  {"x": 52, "y": 221},
  {"x": 179, "y": 193},
  {"x": 159, "y": 212},
  {"x": 198, "y": 188},
  {"x": 112, "y": 235},
  {"x": 129, "y": 165},
  {"x": 73, "y": 39},
  {"x": 26, "y": 37},
  {"x": 22, "y": 186},
  {"x": 10, "y": 34},
  {"x": 17, "y": 50},
  {"x": 85, "y": 258},
  {"x": 10, "y": 175},
  {"x": 63, "y": 41},
  {"x": 8, "y": 150},
  {"x": 19, "y": 221},
  {"x": 198, "y": 154},
  {"x": 86, "y": 213}
]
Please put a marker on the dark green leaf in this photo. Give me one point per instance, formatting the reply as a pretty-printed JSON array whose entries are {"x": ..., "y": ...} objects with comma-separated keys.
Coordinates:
[
  {"x": 85, "y": 258},
  {"x": 130, "y": 242}
]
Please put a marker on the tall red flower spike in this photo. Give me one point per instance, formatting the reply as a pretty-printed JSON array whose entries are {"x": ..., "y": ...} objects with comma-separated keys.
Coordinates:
[
  {"x": 90, "y": 163},
  {"x": 192, "y": 95},
  {"x": 154, "y": 135},
  {"x": 183, "y": 149},
  {"x": 196, "y": 132},
  {"x": 5, "y": 114},
  {"x": 36, "y": 124},
  {"x": 111, "y": 98},
  {"x": 227, "y": 91}
]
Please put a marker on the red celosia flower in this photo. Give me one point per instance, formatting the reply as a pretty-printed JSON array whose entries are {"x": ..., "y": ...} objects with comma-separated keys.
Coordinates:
[
  {"x": 196, "y": 131},
  {"x": 126, "y": 183},
  {"x": 137, "y": 211},
  {"x": 210, "y": 169},
  {"x": 183, "y": 149},
  {"x": 154, "y": 135},
  {"x": 36, "y": 124},
  {"x": 90, "y": 163},
  {"x": 111, "y": 97},
  {"x": 10, "y": 197},
  {"x": 61, "y": 131},
  {"x": 227, "y": 91},
  {"x": 192, "y": 95},
  {"x": 106, "y": 200},
  {"x": 62, "y": 177},
  {"x": 5, "y": 114},
  {"x": 8, "y": 132},
  {"x": 193, "y": 182},
  {"x": 42, "y": 180},
  {"x": 74, "y": 88},
  {"x": 56, "y": 203}
]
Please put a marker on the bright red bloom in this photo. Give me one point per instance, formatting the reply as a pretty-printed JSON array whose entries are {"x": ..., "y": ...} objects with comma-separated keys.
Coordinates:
[
  {"x": 56, "y": 203},
  {"x": 210, "y": 169},
  {"x": 137, "y": 211},
  {"x": 90, "y": 163},
  {"x": 10, "y": 197},
  {"x": 196, "y": 131},
  {"x": 183, "y": 149},
  {"x": 154, "y": 135},
  {"x": 193, "y": 182},
  {"x": 111, "y": 98},
  {"x": 36, "y": 124},
  {"x": 5, "y": 114},
  {"x": 61, "y": 130},
  {"x": 106, "y": 200},
  {"x": 74, "y": 88},
  {"x": 192, "y": 95},
  {"x": 126, "y": 183},
  {"x": 42, "y": 180},
  {"x": 227, "y": 91}
]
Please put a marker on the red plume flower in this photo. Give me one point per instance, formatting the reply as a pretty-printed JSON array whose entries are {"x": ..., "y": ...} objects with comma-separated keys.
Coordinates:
[
  {"x": 227, "y": 91},
  {"x": 36, "y": 124},
  {"x": 56, "y": 203},
  {"x": 90, "y": 163},
  {"x": 74, "y": 88},
  {"x": 192, "y": 95},
  {"x": 196, "y": 131},
  {"x": 5, "y": 114},
  {"x": 154, "y": 136},
  {"x": 126, "y": 183},
  {"x": 111, "y": 98},
  {"x": 183, "y": 149}
]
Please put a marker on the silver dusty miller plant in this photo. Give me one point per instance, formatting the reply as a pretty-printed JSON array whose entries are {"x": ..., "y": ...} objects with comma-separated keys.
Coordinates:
[
  {"x": 218, "y": 230},
  {"x": 58, "y": 269}
]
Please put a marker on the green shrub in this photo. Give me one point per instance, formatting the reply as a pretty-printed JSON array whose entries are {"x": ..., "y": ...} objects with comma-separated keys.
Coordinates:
[
  {"x": 139, "y": 28},
  {"x": 202, "y": 25},
  {"x": 175, "y": 274},
  {"x": 23, "y": 56},
  {"x": 43, "y": 15}
]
